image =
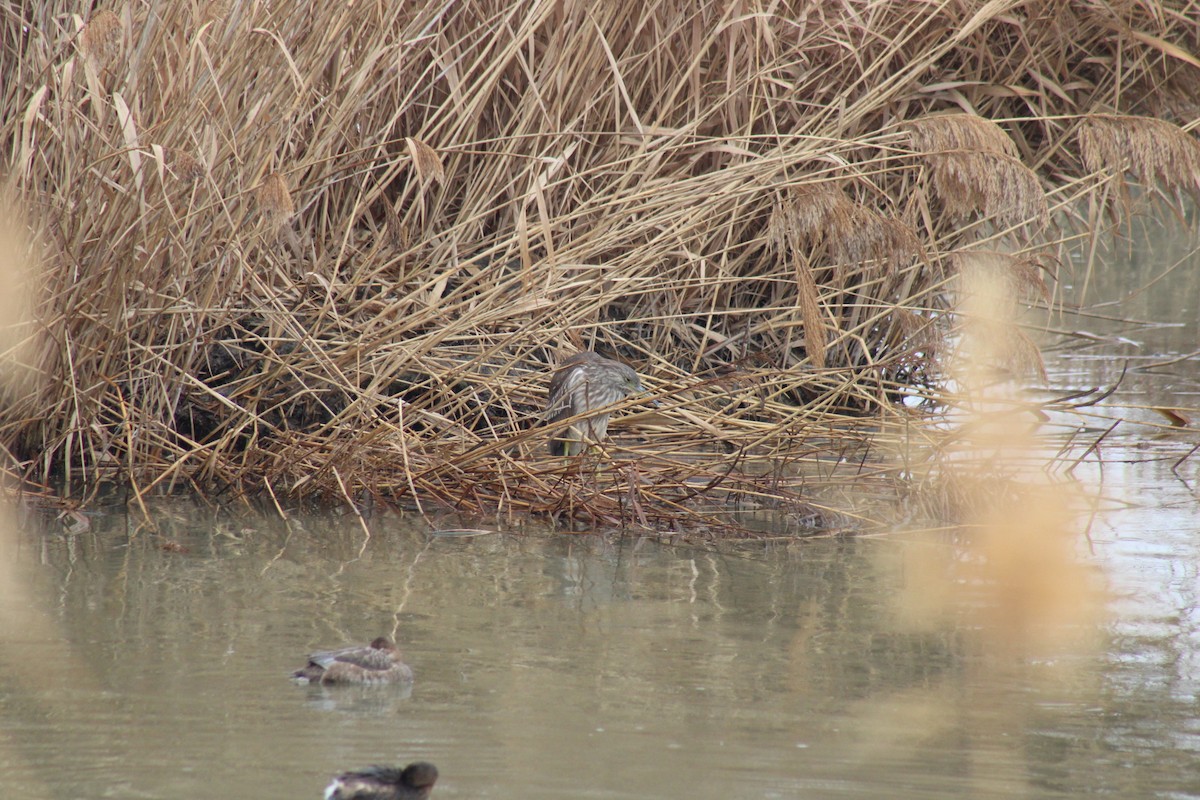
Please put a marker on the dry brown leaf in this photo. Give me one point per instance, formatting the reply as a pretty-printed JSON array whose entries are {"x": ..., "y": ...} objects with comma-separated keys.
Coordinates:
[
  {"x": 1178, "y": 417},
  {"x": 426, "y": 162}
]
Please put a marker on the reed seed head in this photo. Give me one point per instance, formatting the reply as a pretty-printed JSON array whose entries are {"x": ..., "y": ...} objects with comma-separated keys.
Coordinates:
[
  {"x": 101, "y": 36},
  {"x": 274, "y": 199}
]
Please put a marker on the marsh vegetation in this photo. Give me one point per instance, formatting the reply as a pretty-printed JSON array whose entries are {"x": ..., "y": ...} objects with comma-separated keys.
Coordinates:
[{"x": 330, "y": 250}]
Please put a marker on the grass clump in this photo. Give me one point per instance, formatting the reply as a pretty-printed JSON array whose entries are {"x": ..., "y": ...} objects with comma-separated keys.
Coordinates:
[{"x": 332, "y": 249}]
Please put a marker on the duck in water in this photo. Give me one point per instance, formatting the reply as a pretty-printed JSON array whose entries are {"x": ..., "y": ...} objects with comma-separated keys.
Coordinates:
[
  {"x": 377, "y": 663},
  {"x": 414, "y": 782}
]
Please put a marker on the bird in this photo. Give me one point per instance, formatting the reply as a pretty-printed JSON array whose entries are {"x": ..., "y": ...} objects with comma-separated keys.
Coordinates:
[
  {"x": 376, "y": 663},
  {"x": 583, "y": 383},
  {"x": 414, "y": 782}
]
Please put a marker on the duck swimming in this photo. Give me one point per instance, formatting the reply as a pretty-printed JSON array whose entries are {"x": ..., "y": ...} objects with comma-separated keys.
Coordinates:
[
  {"x": 414, "y": 782},
  {"x": 376, "y": 663}
]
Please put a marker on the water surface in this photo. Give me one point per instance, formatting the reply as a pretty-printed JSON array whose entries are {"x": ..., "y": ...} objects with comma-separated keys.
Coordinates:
[{"x": 565, "y": 665}]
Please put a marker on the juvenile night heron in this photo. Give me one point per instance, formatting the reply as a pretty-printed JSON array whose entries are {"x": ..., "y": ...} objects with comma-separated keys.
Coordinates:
[{"x": 582, "y": 383}]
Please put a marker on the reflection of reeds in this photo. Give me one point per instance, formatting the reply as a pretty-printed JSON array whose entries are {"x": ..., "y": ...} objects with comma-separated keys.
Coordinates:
[{"x": 469, "y": 192}]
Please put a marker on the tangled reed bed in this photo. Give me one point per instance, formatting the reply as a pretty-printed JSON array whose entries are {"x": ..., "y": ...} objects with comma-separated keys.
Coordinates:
[{"x": 332, "y": 249}]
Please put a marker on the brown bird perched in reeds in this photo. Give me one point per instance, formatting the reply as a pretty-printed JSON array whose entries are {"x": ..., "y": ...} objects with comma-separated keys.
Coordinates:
[
  {"x": 414, "y": 782},
  {"x": 583, "y": 383}
]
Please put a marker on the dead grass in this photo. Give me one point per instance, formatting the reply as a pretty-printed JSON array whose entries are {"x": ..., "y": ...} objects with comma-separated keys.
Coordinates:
[{"x": 330, "y": 249}]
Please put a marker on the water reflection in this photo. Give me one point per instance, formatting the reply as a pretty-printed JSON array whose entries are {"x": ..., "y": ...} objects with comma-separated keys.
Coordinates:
[
  {"x": 547, "y": 665},
  {"x": 359, "y": 699}
]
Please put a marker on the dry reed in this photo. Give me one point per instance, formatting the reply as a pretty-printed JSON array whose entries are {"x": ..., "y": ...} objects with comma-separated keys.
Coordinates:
[{"x": 754, "y": 204}]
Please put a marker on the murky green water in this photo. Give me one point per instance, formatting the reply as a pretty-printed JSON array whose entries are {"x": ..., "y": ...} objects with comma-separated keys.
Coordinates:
[{"x": 554, "y": 665}]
